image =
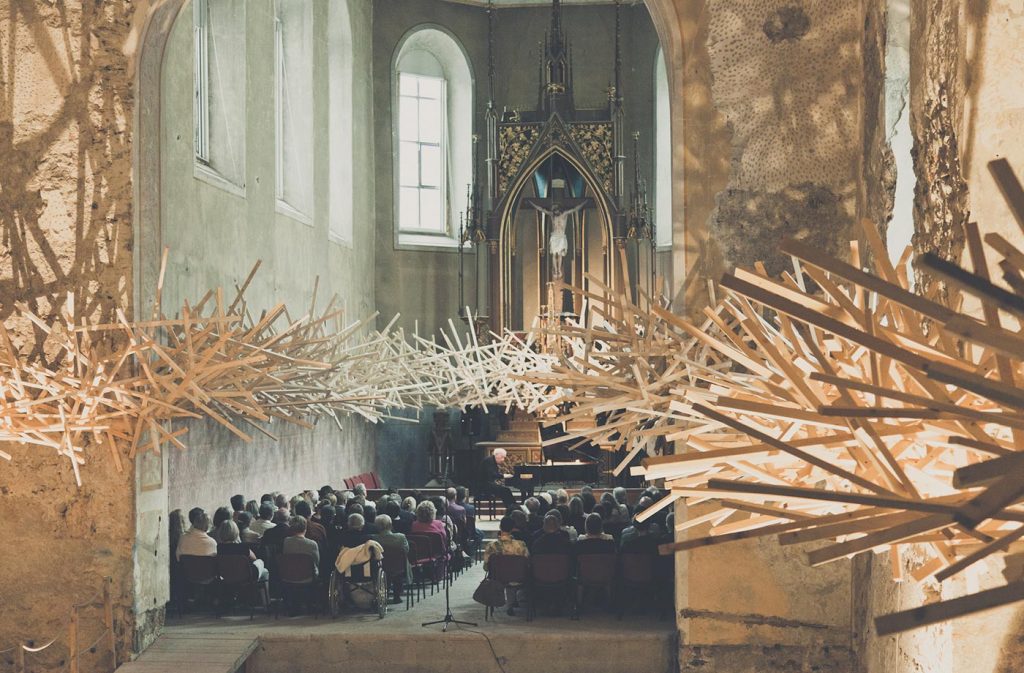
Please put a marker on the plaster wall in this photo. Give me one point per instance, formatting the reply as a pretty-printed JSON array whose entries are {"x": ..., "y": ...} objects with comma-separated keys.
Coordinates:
[
  {"x": 66, "y": 115},
  {"x": 215, "y": 236}
]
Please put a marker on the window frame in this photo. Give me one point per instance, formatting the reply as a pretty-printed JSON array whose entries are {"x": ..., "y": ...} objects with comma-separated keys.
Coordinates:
[
  {"x": 202, "y": 166},
  {"x": 442, "y": 149},
  {"x": 662, "y": 125},
  {"x": 281, "y": 99}
]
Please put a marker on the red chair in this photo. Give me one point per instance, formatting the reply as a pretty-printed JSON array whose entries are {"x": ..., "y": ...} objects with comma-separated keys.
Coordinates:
[
  {"x": 552, "y": 572},
  {"x": 510, "y": 571},
  {"x": 594, "y": 571},
  {"x": 421, "y": 560}
]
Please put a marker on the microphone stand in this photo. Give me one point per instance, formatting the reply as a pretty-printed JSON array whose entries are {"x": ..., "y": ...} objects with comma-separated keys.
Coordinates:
[{"x": 449, "y": 618}]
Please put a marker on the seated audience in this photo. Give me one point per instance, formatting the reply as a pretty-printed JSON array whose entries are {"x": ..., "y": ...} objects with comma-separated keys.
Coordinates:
[
  {"x": 577, "y": 517},
  {"x": 394, "y": 544},
  {"x": 568, "y": 530},
  {"x": 263, "y": 522},
  {"x": 456, "y": 511},
  {"x": 221, "y": 515},
  {"x": 561, "y": 497},
  {"x": 237, "y": 505},
  {"x": 229, "y": 543},
  {"x": 588, "y": 501},
  {"x": 639, "y": 538},
  {"x": 425, "y": 521},
  {"x": 253, "y": 509},
  {"x": 401, "y": 519},
  {"x": 243, "y": 522},
  {"x": 193, "y": 514},
  {"x": 534, "y": 521},
  {"x": 281, "y": 502},
  {"x": 551, "y": 539},
  {"x": 354, "y": 534},
  {"x": 594, "y": 541},
  {"x": 196, "y": 541},
  {"x": 276, "y": 534},
  {"x": 613, "y": 511},
  {"x": 369, "y": 516},
  {"x": 298, "y": 543},
  {"x": 619, "y": 493},
  {"x": 520, "y": 526},
  {"x": 506, "y": 545},
  {"x": 314, "y": 531}
]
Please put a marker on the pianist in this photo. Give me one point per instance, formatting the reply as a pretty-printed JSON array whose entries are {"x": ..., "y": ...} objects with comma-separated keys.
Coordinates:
[{"x": 492, "y": 479}]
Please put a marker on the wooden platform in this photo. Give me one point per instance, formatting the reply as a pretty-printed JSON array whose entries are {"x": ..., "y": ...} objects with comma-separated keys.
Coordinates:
[{"x": 213, "y": 652}]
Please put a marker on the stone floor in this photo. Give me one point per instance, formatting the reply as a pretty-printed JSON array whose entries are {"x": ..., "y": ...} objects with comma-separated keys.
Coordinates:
[{"x": 504, "y": 644}]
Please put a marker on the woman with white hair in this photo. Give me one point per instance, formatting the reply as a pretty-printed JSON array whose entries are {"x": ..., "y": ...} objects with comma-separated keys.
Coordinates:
[{"x": 492, "y": 479}]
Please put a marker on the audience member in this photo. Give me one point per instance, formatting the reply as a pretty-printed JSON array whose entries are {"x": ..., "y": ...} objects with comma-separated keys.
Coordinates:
[
  {"x": 196, "y": 541},
  {"x": 520, "y": 526},
  {"x": 394, "y": 544},
  {"x": 193, "y": 514},
  {"x": 281, "y": 502},
  {"x": 314, "y": 531},
  {"x": 456, "y": 511},
  {"x": 221, "y": 515},
  {"x": 506, "y": 545},
  {"x": 401, "y": 520},
  {"x": 425, "y": 521},
  {"x": 534, "y": 521},
  {"x": 619, "y": 493},
  {"x": 594, "y": 541},
  {"x": 354, "y": 534},
  {"x": 298, "y": 543},
  {"x": 229, "y": 543},
  {"x": 588, "y": 502},
  {"x": 576, "y": 518},
  {"x": 369, "y": 516},
  {"x": 639, "y": 539},
  {"x": 237, "y": 505},
  {"x": 244, "y": 533},
  {"x": 613, "y": 511},
  {"x": 263, "y": 522},
  {"x": 253, "y": 509},
  {"x": 561, "y": 497},
  {"x": 551, "y": 539},
  {"x": 274, "y": 536}
]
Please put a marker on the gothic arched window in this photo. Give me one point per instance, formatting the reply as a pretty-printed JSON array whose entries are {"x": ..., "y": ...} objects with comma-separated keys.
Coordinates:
[
  {"x": 433, "y": 146},
  {"x": 663, "y": 154},
  {"x": 339, "y": 128}
]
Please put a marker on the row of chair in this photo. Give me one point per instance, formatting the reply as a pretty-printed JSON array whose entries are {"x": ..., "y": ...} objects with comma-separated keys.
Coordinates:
[{"x": 624, "y": 578}]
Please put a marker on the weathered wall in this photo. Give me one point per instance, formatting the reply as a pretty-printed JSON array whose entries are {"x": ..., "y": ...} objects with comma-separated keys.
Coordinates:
[
  {"x": 66, "y": 105},
  {"x": 754, "y": 606},
  {"x": 215, "y": 236},
  {"x": 786, "y": 77}
]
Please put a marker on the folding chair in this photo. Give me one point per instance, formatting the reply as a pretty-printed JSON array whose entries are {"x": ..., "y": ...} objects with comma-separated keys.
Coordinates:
[
  {"x": 594, "y": 571},
  {"x": 552, "y": 572},
  {"x": 510, "y": 571},
  {"x": 198, "y": 571},
  {"x": 297, "y": 573},
  {"x": 237, "y": 576}
]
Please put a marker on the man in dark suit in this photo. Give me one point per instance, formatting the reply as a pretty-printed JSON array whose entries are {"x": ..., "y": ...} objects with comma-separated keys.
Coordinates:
[
  {"x": 400, "y": 518},
  {"x": 595, "y": 540},
  {"x": 492, "y": 479},
  {"x": 552, "y": 539}
]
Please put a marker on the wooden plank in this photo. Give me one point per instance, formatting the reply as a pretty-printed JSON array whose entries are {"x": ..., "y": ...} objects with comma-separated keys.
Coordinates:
[{"x": 898, "y": 622}]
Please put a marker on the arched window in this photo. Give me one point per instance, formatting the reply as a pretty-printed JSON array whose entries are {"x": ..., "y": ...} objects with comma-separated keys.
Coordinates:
[
  {"x": 339, "y": 127},
  {"x": 433, "y": 131},
  {"x": 663, "y": 154},
  {"x": 293, "y": 107}
]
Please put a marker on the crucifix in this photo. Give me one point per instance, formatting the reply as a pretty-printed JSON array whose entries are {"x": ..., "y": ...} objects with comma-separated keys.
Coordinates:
[{"x": 559, "y": 211}]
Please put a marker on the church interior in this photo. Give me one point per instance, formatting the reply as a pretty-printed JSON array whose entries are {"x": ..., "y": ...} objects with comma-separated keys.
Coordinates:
[{"x": 511, "y": 335}]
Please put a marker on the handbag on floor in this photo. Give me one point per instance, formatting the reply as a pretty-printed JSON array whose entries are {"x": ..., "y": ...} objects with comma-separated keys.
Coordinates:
[{"x": 490, "y": 593}]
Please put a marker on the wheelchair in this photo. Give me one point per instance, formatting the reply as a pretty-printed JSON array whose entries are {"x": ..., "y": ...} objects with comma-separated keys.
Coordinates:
[{"x": 366, "y": 578}]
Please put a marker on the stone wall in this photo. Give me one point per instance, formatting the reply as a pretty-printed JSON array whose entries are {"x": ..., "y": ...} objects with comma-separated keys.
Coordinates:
[
  {"x": 215, "y": 236},
  {"x": 66, "y": 114}
]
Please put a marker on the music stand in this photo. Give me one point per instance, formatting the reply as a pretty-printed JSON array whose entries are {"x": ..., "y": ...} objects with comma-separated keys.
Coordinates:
[{"x": 448, "y": 618}]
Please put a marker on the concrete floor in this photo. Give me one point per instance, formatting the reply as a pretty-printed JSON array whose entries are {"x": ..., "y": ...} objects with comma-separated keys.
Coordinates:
[{"x": 596, "y": 643}]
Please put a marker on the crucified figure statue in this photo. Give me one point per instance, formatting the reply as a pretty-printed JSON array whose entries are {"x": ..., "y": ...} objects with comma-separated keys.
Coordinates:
[{"x": 558, "y": 244}]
